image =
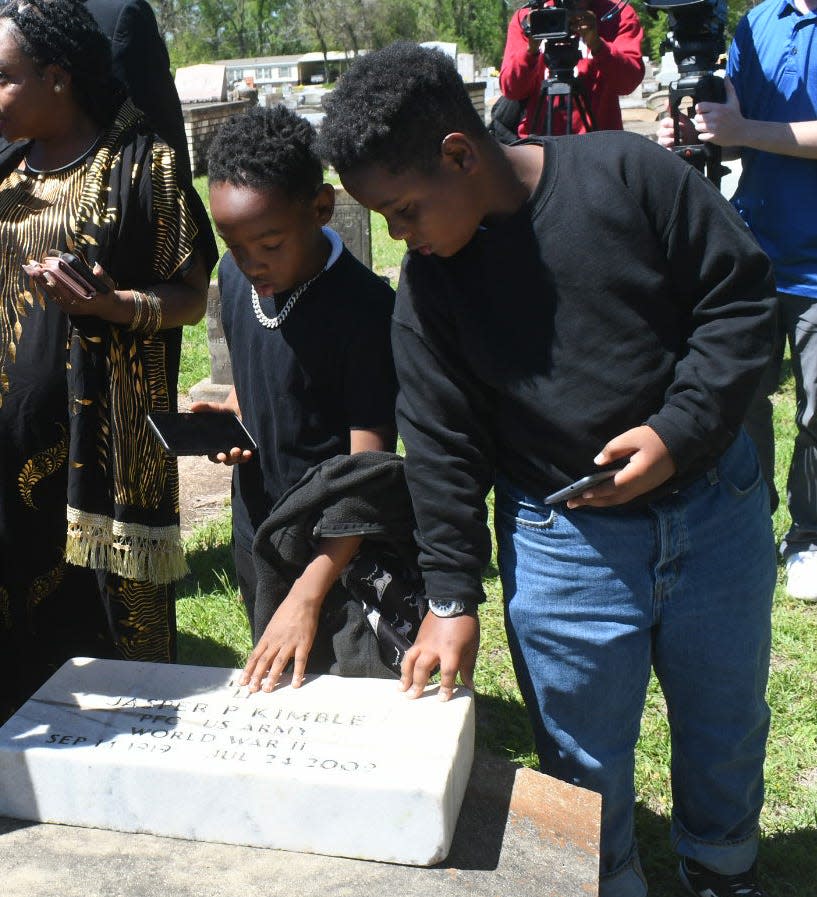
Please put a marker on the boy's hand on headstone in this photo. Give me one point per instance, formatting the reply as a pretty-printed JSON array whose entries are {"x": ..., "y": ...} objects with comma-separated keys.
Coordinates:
[
  {"x": 450, "y": 643},
  {"x": 650, "y": 464},
  {"x": 289, "y": 636}
]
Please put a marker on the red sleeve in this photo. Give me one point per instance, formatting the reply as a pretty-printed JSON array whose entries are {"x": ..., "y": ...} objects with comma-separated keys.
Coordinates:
[
  {"x": 618, "y": 61},
  {"x": 522, "y": 73}
]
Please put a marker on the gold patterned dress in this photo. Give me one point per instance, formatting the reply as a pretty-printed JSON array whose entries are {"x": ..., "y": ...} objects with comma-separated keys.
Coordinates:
[{"x": 89, "y": 540}]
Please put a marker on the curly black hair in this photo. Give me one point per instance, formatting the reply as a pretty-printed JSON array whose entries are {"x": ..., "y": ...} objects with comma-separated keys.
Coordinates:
[
  {"x": 64, "y": 33},
  {"x": 267, "y": 147},
  {"x": 393, "y": 107}
]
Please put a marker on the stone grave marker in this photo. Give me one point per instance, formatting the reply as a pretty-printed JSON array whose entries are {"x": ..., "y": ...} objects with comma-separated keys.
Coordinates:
[
  {"x": 221, "y": 368},
  {"x": 204, "y": 83},
  {"x": 668, "y": 70},
  {"x": 352, "y": 221},
  {"x": 342, "y": 767}
]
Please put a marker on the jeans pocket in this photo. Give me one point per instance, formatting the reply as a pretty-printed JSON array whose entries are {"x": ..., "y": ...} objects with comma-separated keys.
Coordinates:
[
  {"x": 739, "y": 468},
  {"x": 526, "y": 513}
]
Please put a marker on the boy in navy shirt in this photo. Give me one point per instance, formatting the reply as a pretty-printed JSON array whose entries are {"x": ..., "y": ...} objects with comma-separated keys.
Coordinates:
[
  {"x": 307, "y": 326},
  {"x": 566, "y": 303}
]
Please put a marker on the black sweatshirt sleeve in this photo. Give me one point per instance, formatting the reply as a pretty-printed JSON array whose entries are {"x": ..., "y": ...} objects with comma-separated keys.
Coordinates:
[
  {"x": 726, "y": 280},
  {"x": 449, "y": 458}
]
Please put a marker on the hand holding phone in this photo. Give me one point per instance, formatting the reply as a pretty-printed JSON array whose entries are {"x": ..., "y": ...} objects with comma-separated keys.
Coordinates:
[
  {"x": 649, "y": 464},
  {"x": 75, "y": 267},
  {"x": 200, "y": 433},
  {"x": 68, "y": 271},
  {"x": 586, "y": 482}
]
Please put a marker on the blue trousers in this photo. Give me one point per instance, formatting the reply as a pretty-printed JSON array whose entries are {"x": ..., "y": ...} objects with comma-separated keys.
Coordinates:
[
  {"x": 596, "y": 598},
  {"x": 797, "y": 323}
]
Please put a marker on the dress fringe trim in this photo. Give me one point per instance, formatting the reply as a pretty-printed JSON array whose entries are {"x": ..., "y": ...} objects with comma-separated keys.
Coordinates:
[{"x": 130, "y": 550}]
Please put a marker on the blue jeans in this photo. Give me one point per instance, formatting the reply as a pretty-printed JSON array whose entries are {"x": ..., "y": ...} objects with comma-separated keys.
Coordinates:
[
  {"x": 797, "y": 323},
  {"x": 595, "y": 598}
]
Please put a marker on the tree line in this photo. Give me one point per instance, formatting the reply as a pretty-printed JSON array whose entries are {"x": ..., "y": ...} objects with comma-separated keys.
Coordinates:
[{"x": 204, "y": 30}]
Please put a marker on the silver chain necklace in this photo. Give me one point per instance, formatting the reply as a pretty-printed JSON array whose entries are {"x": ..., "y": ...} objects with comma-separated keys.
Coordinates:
[{"x": 273, "y": 323}]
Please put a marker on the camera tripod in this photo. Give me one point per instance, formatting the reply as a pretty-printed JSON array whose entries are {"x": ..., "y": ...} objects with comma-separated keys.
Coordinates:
[
  {"x": 562, "y": 83},
  {"x": 697, "y": 86}
]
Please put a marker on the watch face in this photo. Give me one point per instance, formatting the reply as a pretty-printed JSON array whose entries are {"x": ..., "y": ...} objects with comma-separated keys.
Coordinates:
[{"x": 446, "y": 608}]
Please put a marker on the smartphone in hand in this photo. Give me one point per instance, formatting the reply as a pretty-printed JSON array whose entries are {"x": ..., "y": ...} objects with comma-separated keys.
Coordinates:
[
  {"x": 70, "y": 272},
  {"x": 585, "y": 483},
  {"x": 73, "y": 265},
  {"x": 200, "y": 432}
]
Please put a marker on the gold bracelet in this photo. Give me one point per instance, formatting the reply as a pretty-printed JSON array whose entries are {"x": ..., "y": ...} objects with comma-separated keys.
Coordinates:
[
  {"x": 154, "y": 313},
  {"x": 147, "y": 313},
  {"x": 138, "y": 311}
]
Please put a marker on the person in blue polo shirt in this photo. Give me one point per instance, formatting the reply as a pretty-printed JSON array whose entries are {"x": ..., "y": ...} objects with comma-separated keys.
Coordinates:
[{"x": 769, "y": 119}]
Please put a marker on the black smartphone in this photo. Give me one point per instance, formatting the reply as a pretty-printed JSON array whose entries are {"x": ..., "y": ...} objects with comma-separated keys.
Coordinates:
[
  {"x": 200, "y": 433},
  {"x": 76, "y": 264},
  {"x": 581, "y": 485}
]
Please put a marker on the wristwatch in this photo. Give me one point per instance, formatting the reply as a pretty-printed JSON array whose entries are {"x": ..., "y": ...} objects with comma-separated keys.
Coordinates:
[{"x": 454, "y": 607}]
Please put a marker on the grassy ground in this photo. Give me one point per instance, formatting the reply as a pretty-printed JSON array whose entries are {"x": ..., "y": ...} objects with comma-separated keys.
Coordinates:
[{"x": 214, "y": 632}]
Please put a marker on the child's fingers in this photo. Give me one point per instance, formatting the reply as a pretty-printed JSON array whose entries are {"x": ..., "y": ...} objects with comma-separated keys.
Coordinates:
[
  {"x": 234, "y": 456},
  {"x": 239, "y": 455},
  {"x": 415, "y": 671},
  {"x": 299, "y": 666},
  {"x": 258, "y": 666},
  {"x": 448, "y": 681},
  {"x": 467, "y": 666},
  {"x": 282, "y": 658},
  {"x": 195, "y": 407}
]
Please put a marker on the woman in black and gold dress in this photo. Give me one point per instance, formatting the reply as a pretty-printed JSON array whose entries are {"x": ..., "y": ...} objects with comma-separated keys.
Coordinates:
[{"x": 89, "y": 535}]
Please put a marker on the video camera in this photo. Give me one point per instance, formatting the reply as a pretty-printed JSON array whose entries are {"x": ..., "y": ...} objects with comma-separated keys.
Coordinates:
[
  {"x": 695, "y": 34},
  {"x": 552, "y": 25},
  {"x": 549, "y": 22}
]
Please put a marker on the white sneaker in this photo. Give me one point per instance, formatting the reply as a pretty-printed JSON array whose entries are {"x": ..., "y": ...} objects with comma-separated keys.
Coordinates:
[{"x": 802, "y": 575}]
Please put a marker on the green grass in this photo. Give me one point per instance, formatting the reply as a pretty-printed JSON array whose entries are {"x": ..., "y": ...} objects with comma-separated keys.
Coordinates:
[
  {"x": 213, "y": 628},
  {"x": 214, "y": 631}
]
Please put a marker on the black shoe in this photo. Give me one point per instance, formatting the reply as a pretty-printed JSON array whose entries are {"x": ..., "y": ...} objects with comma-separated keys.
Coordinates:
[{"x": 703, "y": 882}]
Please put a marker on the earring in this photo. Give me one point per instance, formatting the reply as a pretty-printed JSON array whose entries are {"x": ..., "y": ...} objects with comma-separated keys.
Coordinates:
[{"x": 57, "y": 88}]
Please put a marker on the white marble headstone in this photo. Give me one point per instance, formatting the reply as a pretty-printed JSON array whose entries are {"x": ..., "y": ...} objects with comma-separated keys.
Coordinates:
[
  {"x": 344, "y": 767},
  {"x": 203, "y": 83}
]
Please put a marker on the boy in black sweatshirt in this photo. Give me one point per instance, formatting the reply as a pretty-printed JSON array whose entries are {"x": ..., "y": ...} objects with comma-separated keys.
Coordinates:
[{"x": 568, "y": 303}]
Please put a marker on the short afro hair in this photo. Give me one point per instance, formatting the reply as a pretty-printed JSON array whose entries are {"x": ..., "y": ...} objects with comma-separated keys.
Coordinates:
[
  {"x": 393, "y": 107},
  {"x": 264, "y": 148},
  {"x": 64, "y": 33}
]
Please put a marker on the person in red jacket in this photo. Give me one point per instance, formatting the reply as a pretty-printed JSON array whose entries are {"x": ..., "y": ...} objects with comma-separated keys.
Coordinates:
[{"x": 610, "y": 66}]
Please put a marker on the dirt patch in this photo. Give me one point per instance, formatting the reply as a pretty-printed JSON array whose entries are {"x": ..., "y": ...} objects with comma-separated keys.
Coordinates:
[{"x": 204, "y": 487}]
